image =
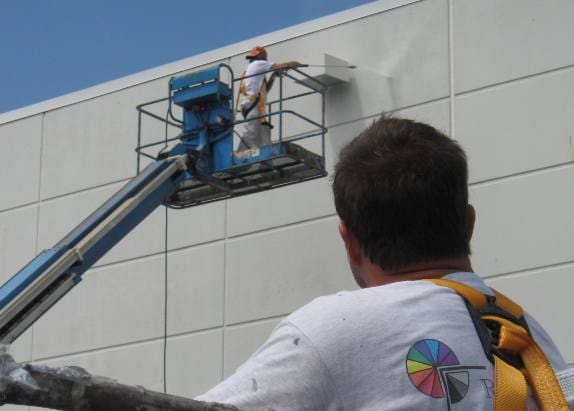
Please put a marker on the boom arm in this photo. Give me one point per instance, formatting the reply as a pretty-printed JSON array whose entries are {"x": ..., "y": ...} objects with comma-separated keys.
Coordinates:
[
  {"x": 200, "y": 168},
  {"x": 45, "y": 279}
]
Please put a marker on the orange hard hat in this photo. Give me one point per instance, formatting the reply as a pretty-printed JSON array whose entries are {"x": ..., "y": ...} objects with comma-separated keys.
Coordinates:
[{"x": 257, "y": 52}]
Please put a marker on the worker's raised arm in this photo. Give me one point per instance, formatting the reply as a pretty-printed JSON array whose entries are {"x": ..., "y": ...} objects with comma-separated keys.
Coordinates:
[
  {"x": 287, "y": 65},
  {"x": 282, "y": 66}
]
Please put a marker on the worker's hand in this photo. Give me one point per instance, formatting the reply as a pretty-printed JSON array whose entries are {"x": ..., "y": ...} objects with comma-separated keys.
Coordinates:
[
  {"x": 288, "y": 65},
  {"x": 291, "y": 65},
  {"x": 296, "y": 64}
]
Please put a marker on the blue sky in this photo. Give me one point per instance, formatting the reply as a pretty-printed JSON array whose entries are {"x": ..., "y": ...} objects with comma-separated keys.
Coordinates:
[{"x": 53, "y": 47}]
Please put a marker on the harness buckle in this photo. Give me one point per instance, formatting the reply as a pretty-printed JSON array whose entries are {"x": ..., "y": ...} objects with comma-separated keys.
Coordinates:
[{"x": 489, "y": 331}]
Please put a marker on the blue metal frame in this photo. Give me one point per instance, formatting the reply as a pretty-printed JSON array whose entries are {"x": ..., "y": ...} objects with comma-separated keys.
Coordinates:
[
  {"x": 206, "y": 76},
  {"x": 51, "y": 274},
  {"x": 200, "y": 168}
]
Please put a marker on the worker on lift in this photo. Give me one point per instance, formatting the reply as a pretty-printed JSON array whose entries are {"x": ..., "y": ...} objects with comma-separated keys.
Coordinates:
[{"x": 251, "y": 100}]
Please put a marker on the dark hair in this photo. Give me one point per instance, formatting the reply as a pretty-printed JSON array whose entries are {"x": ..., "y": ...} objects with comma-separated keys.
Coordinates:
[{"x": 401, "y": 189}]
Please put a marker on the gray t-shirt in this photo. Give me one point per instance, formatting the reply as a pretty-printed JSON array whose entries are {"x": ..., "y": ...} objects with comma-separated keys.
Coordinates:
[{"x": 409, "y": 345}]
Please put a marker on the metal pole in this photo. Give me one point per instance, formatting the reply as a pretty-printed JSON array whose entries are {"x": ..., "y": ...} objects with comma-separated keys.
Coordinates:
[
  {"x": 139, "y": 140},
  {"x": 323, "y": 125},
  {"x": 280, "y": 107},
  {"x": 330, "y": 65}
]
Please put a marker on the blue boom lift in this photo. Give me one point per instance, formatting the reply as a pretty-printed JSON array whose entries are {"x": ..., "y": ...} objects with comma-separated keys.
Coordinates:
[{"x": 199, "y": 167}]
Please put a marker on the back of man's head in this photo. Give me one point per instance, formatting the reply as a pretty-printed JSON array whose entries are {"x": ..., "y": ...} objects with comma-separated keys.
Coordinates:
[{"x": 400, "y": 188}]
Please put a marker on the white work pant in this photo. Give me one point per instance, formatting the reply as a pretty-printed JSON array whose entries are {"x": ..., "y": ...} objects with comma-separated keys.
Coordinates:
[{"x": 255, "y": 134}]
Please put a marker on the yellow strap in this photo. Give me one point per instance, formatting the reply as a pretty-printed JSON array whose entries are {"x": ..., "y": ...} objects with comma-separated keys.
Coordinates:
[
  {"x": 507, "y": 304},
  {"x": 262, "y": 97},
  {"x": 510, "y": 391},
  {"x": 510, "y": 384},
  {"x": 261, "y": 106},
  {"x": 240, "y": 91},
  {"x": 475, "y": 298},
  {"x": 538, "y": 370}
]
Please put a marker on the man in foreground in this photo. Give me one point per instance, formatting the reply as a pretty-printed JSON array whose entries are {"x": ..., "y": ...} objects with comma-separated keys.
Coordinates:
[
  {"x": 252, "y": 97},
  {"x": 399, "y": 343}
]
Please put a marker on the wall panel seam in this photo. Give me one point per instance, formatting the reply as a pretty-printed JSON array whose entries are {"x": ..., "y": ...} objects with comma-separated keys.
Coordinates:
[
  {"x": 39, "y": 202},
  {"x": 165, "y": 301},
  {"x": 225, "y": 291},
  {"x": 111, "y": 347},
  {"x": 530, "y": 270},
  {"x": 159, "y": 339},
  {"x": 144, "y": 257},
  {"x": 514, "y": 80},
  {"x": 128, "y": 344},
  {"x": 256, "y": 321},
  {"x": 15, "y": 208},
  {"x": 391, "y": 111},
  {"x": 521, "y": 174},
  {"x": 97, "y": 267},
  {"x": 281, "y": 227},
  {"x": 86, "y": 189}
]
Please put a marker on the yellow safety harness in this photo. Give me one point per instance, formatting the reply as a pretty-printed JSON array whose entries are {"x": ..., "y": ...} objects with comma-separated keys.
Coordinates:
[
  {"x": 261, "y": 98},
  {"x": 507, "y": 342}
]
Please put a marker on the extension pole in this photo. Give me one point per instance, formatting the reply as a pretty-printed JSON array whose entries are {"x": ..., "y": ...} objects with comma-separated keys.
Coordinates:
[{"x": 329, "y": 65}]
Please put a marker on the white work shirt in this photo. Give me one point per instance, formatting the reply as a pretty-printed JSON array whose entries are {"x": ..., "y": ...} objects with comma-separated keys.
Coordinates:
[
  {"x": 409, "y": 345},
  {"x": 253, "y": 84}
]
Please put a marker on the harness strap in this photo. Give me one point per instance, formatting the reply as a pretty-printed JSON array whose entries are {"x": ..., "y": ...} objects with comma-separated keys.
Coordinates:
[
  {"x": 511, "y": 338},
  {"x": 240, "y": 91},
  {"x": 475, "y": 298},
  {"x": 507, "y": 304},
  {"x": 258, "y": 100},
  {"x": 252, "y": 104},
  {"x": 510, "y": 390}
]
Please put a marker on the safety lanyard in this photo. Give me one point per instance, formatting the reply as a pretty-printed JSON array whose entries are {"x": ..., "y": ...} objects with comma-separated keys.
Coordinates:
[{"x": 507, "y": 342}]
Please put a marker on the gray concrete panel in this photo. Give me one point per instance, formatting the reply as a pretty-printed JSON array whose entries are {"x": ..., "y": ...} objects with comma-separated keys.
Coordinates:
[
  {"x": 274, "y": 208},
  {"x": 61, "y": 215},
  {"x": 273, "y": 273},
  {"x": 20, "y": 161},
  {"x": 17, "y": 240},
  {"x": 519, "y": 126},
  {"x": 496, "y": 41},
  {"x": 195, "y": 225},
  {"x": 92, "y": 143},
  {"x": 524, "y": 222},
  {"x": 21, "y": 349},
  {"x": 195, "y": 288},
  {"x": 194, "y": 363},
  {"x": 437, "y": 114},
  {"x": 116, "y": 305},
  {"x": 137, "y": 364}
]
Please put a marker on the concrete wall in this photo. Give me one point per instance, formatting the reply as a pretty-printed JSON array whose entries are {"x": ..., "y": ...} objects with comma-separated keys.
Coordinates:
[{"x": 498, "y": 76}]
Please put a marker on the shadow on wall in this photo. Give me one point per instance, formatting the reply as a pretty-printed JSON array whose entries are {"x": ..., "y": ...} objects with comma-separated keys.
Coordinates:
[
  {"x": 348, "y": 102},
  {"x": 345, "y": 106},
  {"x": 374, "y": 89}
]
